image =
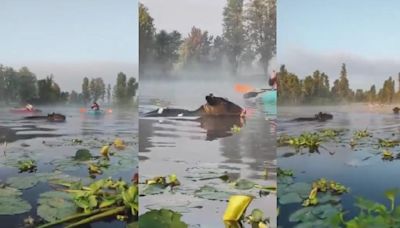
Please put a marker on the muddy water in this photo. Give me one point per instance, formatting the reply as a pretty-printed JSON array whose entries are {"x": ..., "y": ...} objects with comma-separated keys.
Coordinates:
[
  {"x": 50, "y": 144},
  {"x": 191, "y": 146},
  {"x": 361, "y": 169}
]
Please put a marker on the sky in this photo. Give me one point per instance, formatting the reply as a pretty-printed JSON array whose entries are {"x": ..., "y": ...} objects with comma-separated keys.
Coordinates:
[
  {"x": 70, "y": 38},
  {"x": 182, "y": 15},
  {"x": 314, "y": 34}
]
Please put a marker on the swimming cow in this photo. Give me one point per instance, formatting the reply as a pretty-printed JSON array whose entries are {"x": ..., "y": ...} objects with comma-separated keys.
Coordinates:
[
  {"x": 215, "y": 106},
  {"x": 54, "y": 117},
  {"x": 317, "y": 117}
]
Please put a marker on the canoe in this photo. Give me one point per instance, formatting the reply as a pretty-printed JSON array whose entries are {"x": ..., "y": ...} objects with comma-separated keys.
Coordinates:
[
  {"x": 24, "y": 110},
  {"x": 269, "y": 97},
  {"x": 95, "y": 112}
]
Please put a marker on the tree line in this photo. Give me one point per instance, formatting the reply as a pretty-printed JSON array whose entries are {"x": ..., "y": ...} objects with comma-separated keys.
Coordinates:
[
  {"x": 316, "y": 89},
  {"x": 249, "y": 36},
  {"x": 22, "y": 86}
]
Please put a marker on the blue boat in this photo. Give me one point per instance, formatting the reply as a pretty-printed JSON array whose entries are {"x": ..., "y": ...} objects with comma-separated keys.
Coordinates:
[
  {"x": 95, "y": 112},
  {"x": 269, "y": 99}
]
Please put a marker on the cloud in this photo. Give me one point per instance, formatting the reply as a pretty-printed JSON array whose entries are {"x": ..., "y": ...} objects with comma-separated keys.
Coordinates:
[
  {"x": 362, "y": 71},
  {"x": 70, "y": 75}
]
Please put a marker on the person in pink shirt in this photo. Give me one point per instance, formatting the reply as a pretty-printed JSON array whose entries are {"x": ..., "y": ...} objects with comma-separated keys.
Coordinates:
[{"x": 273, "y": 81}]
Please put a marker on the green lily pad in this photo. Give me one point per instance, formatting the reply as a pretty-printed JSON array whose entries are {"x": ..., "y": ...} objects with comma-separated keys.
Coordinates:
[
  {"x": 303, "y": 215},
  {"x": 23, "y": 182},
  {"x": 325, "y": 211},
  {"x": 161, "y": 219},
  {"x": 244, "y": 184},
  {"x": 55, "y": 205},
  {"x": 211, "y": 193},
  {"x": 83, "y": 155},
  {"x": 328, "y": 198},
  {"x": 285, "y": 180},
  {"x": 291, "y": 197},
  {"x": 11, "y": 203},
  {"x": 301, "y": 188},
  {"x": 152, "y": 189}
]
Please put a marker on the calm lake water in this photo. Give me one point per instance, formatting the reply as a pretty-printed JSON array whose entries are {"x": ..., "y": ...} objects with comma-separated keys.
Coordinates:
[
  {"x": 361, "y": 169},
  {"x": 189, "y": 147},
  {"x": 51, "y": 145}
]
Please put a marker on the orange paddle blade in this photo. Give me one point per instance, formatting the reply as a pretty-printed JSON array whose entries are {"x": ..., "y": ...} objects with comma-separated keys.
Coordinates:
[
  {"x": 241, "y": 88},
  {"x": 109, "y": 110},
  {"x": 82, "y": 110}
]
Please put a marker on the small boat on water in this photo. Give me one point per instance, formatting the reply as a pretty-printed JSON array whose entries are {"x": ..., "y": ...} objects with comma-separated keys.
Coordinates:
[
  {"x": 269, "y": 97},
  {"x": 95, "y": 112}
]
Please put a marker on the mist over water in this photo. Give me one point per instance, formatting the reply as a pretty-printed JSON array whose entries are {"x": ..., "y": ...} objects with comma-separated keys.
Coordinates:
[{"x": 171, "y": 145}]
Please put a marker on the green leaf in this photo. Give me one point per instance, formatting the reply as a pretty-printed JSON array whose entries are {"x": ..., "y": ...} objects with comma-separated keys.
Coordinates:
[
  {"x": 82, "y": 155},
  {"x": 161, "y": 219},
  {"x": 291, "y": 197},
  {"x": 55, "y": 205},
  {"x": 244, "y": 184},
  {"x": 23, "y": 182}
]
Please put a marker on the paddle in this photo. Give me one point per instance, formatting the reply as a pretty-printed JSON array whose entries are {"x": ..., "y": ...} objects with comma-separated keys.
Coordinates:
[{"x": 248, "y": 91}]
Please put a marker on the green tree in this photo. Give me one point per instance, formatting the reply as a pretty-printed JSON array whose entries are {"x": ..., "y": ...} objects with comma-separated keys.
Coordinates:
[
  {"x": 120, "y": 88},
  {"x": 146, "y": 37},
  {"x": 97, "y": 89},
  {"x": 131, "y": 88},
  {"x": 27, "y": 89},
  {"x": 49, "y": 91},
  {"x": 166, "y": 50},
  {"x": 233, "y": 32},
  {"x": 261, "y": 25},
  {"x": 109, "y": 93},
  {"x": 85, "y": 90},
  {"x": 195, "y": 49},
  {"x": 2, "y": 83},
  {"x": 74, "y": 97}
]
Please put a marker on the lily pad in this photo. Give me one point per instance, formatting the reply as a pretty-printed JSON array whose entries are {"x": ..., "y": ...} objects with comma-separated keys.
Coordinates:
[
  {"x": 211, "y": 193},
  {"x": 11, "y": 203},
  {"x": 303, "y": 215},
  {"x": 291, "y": 197},
  {"x": 23, "y": 182},
  {"x": 244, "y": 184},
  {"x": 161, "y": 219},
  {"x": 55, "y": 205},
  {"x": 301, "y": 188},
  {"x": 82, "y": 155}
]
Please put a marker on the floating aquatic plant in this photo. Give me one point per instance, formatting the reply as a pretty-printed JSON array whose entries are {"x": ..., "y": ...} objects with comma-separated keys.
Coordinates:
[
  {"x": 99, "y": 200},
  {"x": 27, "y": 166},
  {"x": 387, "y": 155},
  {"x": 284, "y": 172},
  {"x": 362, "y": 134},
  {"x": 323, "y": 185},
  {"x": 311, "y": 141},
  {"x": 235, "y": 129},
  {"x": 388, "y": 143}
]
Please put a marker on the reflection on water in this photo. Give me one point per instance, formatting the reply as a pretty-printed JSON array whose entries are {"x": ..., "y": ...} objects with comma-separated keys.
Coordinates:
[
  {"x": 361, "y": 169},
  {"x": 174, "y": 145}
]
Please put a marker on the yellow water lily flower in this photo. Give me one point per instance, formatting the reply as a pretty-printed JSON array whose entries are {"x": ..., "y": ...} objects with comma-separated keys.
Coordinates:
[
  {"x": 119, "y": 144},
  {"x": 105, "y": 151},
  {"x": 236, "y": 207}
]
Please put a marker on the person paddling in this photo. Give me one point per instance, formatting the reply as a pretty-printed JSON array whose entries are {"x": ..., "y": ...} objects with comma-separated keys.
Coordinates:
[
  {"x": 29, "y": 107},
  {"x": 273, "y": 80},
  {"x": 95, "y": 106}
]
